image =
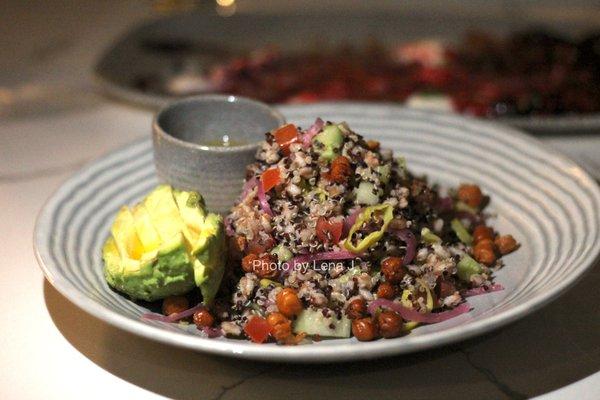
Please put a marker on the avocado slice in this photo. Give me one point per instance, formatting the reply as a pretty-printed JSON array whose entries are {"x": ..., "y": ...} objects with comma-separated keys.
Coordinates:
[
  {"x": 126, "y": 239},
  {"x": 209, "y": 264},
  {"x": 207, "y": 242},
  {"x": 164, "y": 213},
  {"x": 165, "y": 246},
  {"x": 191, "y": 208},
  {"x": 145, "y": 230},
  {"x": 167, "y": 274}
]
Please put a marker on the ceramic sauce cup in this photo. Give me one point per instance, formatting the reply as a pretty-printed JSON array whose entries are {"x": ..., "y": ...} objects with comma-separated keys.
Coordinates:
[{"x": 204, "y": 143}]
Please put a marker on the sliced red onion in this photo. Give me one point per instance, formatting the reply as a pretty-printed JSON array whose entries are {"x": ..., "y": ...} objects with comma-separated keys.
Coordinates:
[
  {"x": 212, "y": 332},
  {"x": 155, "y": 317},
  {"x": 262, "y": 197},
  {"x": 312, "y": 132},
  {"x": 496, "y": 287},
  {"x": 174, "y": 317},
  {"x": 349, "y": 222},
  {"x": 444, "y": 204},
  {"x": 409, "y": 314},
  {"x": 248, "y": 186},
  {"x": 264, "y": 202},
  {"x": 410, "y": 240}
]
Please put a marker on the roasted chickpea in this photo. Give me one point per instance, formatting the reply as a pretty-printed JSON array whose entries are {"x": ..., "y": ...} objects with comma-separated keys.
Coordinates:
[
  {"x": 282, "y": 326},
  {"x": 175, "y": 304},
  {"x": 386, "y": 291},
  {"x": 365, "y": 329},
  {"x": 265, "y": 267},
  {"x": 391, "y": 268},
  {"x": 506, "y": 244},
  {"x": 373, "y": 145},
  {"x": 357, "y": 308},
  {"x": 487, "y": 243},
  {"x": 248, "y": 262},
  {"x": 482, "y": 232},
  {"x": 203, "y": 318},
  {"x": 260, "y": 245},
  {"x": 276, "y": 318},
  {"x": 293, "y": 340},
  {"x": 288, "y": 302},
  {"x": 470, "y": 194},
  {"x": 390, "y": 324},
  {"x": 340, "y": 170},
  {"x": 484, "y": 254}
]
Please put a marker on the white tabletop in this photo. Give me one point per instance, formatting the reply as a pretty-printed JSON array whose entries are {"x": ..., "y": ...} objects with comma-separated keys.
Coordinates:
[{"x": 52, "y": 123}]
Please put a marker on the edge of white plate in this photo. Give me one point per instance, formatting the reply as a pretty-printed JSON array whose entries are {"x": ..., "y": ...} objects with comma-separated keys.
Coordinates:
[{"x": 316, "y": 353}]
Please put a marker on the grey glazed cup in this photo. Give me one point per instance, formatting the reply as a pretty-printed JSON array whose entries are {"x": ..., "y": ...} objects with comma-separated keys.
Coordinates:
[{"x": 217, "y": 172}]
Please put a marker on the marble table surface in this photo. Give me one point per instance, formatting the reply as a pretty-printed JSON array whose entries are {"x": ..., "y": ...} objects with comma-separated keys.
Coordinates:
[{"x": 53, "y": 123}]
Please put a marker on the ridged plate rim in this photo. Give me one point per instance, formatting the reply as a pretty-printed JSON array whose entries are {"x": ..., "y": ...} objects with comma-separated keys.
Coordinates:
[{"x": 330, "y": 351}]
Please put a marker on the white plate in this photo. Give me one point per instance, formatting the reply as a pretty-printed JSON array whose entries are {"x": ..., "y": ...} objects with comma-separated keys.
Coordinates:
[{"x": 548, "y": 202}]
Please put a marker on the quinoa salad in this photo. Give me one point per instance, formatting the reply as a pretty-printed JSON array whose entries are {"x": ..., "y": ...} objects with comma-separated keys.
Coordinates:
[{"x": 333, "y": 237}]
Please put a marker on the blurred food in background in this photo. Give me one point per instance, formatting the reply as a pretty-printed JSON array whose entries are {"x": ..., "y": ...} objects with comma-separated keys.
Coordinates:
[{"x": 527, "y": 73}]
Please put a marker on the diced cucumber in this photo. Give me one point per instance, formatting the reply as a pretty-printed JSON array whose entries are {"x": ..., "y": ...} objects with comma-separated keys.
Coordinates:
[
  {"x": 429, "y": 237},
  {"x": 364, "y": 194},
  {"x": 313, "y": 322},
  {"x": 402, "y": 169},
  {"x": 283, "y": 253},
  {"x": 266, "y": 282},
  {"x": 330, "y": 140},
  {"x": 461, "y": 232},
  {"x": 462, "y": 206},
  {"x": 466, "y": 267},
  {"x": 384, "y": 173},
  {"x": 345, "y": 278}
]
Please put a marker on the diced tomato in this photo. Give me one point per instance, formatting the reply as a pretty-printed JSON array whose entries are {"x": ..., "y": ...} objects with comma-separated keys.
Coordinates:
[
  {"x": 258, "y": 329},
  {"x": 329, "y": 231},
  {"x": 285, "y": 136},
  {"x": 270, "y": 178}
]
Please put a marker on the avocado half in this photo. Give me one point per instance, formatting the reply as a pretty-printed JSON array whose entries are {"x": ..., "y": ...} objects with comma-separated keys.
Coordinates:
[{"x": 165, "y": 246}]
